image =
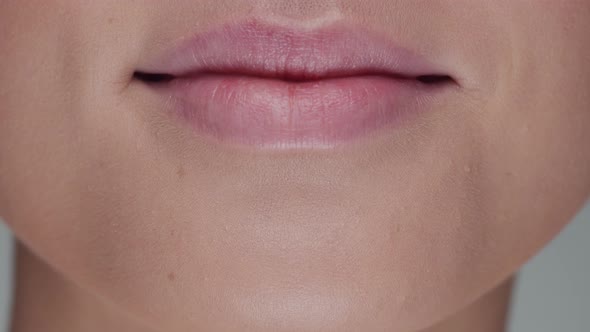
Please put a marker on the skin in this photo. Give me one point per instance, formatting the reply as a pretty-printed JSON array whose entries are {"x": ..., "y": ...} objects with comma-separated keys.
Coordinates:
[{"x": 138, "y": 226}]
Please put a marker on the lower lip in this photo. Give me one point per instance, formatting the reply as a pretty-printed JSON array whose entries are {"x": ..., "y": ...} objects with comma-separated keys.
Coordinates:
[{"x": 272, "y": 113}]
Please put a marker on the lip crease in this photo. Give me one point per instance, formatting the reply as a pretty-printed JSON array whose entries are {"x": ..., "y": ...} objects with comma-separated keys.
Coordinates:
[{"x": 277, "y": 87}]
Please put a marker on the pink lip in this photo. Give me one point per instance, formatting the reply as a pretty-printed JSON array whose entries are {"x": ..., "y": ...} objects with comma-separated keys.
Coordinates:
[{"x": 276, "y": 87}]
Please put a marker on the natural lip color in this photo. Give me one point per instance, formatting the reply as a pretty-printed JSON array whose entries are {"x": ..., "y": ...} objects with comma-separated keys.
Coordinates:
[
  {"x": 255, "y": 47},
  {"x": 277, "y": 87}
]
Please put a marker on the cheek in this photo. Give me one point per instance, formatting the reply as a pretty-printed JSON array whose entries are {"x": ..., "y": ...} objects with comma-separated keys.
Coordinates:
[
  {"x": 537, "y": 125},
  {"x": 533, "y": 129}
]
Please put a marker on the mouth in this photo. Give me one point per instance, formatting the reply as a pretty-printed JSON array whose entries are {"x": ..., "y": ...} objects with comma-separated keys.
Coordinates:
[
  {"x": 293, "y": 77},
  {"x": 275, "y": 87}
]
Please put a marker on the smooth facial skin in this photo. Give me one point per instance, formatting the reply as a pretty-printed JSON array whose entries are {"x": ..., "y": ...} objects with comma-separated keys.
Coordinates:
[{"x": 391, "y": 234}]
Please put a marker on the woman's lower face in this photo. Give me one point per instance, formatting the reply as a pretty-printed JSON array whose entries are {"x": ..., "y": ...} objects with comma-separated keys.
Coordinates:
[{"x": 392, "y": 228}]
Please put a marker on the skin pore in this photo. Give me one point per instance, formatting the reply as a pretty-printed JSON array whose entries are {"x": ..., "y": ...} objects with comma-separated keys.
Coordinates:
[{"x": 127, "y": 222}]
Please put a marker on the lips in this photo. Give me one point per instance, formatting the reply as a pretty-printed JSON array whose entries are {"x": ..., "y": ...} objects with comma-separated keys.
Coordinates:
[{"x": 270, "y": 86}]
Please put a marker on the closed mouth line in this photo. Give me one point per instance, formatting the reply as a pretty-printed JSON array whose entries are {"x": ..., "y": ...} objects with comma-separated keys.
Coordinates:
[{"x": 160, "y": 78}]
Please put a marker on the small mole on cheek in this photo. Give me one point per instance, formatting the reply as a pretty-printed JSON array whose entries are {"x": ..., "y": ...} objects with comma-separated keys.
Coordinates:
[
  {"x": 171, "y": 276},
  {"x": 180, "y": 172}
]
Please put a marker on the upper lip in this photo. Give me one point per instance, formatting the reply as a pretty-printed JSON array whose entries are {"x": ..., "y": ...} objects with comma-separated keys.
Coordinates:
[{"x": 255, "y": 48}]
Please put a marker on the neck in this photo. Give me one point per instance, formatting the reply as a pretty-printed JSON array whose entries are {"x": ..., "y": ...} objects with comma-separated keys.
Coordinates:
[{"x": 45, "y": 301}]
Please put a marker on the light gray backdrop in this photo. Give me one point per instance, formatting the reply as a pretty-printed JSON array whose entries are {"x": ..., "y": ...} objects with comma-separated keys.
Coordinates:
[{"x": 552, "y": 294}]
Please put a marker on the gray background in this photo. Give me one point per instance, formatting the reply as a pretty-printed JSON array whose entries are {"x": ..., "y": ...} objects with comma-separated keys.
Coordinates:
[{"x": 552, "y": 294}]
